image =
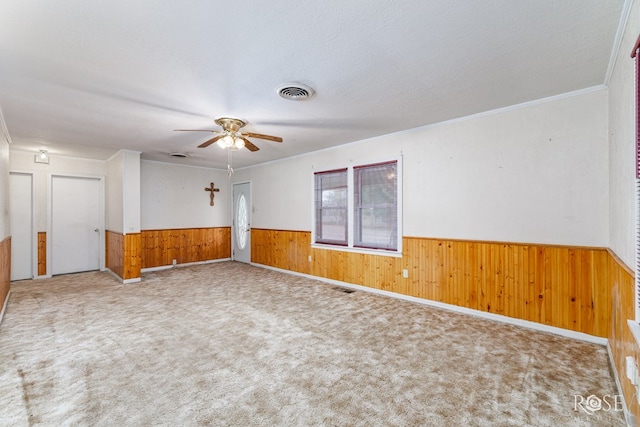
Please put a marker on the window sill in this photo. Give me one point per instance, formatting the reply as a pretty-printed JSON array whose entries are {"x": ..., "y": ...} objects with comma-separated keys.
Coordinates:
[
  {"x": 380, "y": 252},
  {"x": 635, "y": 330}
]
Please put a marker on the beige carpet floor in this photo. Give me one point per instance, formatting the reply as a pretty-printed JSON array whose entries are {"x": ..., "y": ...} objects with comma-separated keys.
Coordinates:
[{"x": 230, "y": 344}]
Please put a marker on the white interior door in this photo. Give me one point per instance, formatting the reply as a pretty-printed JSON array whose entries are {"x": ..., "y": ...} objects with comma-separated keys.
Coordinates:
[
  {"x": 241, "y": 230},
  {"x": 75, "y": 224},
  {"x": 21, "y": 220}
]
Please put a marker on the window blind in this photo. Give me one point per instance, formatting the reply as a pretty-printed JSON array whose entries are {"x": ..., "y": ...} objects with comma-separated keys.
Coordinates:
[
  {"x": 331, "y": 195},
  {"x": 376, "y": 206}
]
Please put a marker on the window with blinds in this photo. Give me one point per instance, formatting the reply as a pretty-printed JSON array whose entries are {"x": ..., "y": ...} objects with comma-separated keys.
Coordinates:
[
  {"x": 376, "y": 206},
  {"x": 358, "y": 208},
  {"x": 331, "y": 208}
]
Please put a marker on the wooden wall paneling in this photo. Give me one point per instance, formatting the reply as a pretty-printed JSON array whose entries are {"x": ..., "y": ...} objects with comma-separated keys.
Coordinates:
[
  {"x": 161, "y": 247},
  {"x": 576, "y": 279},
  {"x": 149, "y": 248},
  {"x": 5, "y": 270},
  {"x": 114, "y": 252},
  {"x": 541, "y": 280},
  {"x": 490, "y": 278},
  {"x": 173, "y": 242},
  {"x": 123, "y": 254},
  {"x": 499, "y": 258},
  {"x": 564, "y": 303},
  {"x": 589, "y": 295},
  {"x": 42, "y": 253},
  {"x": 436, "y": 273},
  {"x": 515, "y": 298},
  {"x": 212, "y": 250},
  {"x": 200, "y": 243},
  {"x": 600, "y": 294},
  {"x": 585, "y": 290},
  {"x": 183, "y": 246},
  {"x": 165, "y": 251},
  {"x": 565, "y": 287},
  {"x": 256, "y": 249},
  {"x": 221, "y": 242},
  {"x": 621, "y": 340},
  {"x": 471, "y": 275},
  {"x": 531, "y": 298},
  {"x": 207, "y": 249},
  {"x": 132, "y": 256},
  {"x": 559, "y": 286},
  {"x": 413, "y": 281}
]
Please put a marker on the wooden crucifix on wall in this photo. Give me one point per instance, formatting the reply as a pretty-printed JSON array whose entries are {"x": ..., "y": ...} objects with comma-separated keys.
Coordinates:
[{"x": 212, "y": 189}]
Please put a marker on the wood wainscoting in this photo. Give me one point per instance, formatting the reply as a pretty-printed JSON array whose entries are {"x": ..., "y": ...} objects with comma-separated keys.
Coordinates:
[
  {"x": 161, "y": 247},
  {"x": 42, "y": 253},
  {"x": 5, "y": 270},
  {"x": 621, "y": 279},
  {"x": 566, "y": 287},
  {"x": 123, "y": 254}
]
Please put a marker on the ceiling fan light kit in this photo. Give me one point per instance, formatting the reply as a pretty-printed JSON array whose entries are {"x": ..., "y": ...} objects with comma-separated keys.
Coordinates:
[
  {"x": 232, "y": 142},
  {"x": 230, "y": 136}
]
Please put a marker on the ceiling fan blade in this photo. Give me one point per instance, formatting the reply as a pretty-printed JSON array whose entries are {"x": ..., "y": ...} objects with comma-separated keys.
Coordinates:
[
  {"x": 196, "y": 130},
  {"x": 261, "y": 136},
  {"x": 209, "y": 142},
  {"x": 249, "y": 145}
]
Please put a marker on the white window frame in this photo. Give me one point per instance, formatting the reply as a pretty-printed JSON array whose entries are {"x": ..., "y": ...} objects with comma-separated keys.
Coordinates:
[
  {"x": 350, "y": 165},
  {"x": 635, "y": 325}
]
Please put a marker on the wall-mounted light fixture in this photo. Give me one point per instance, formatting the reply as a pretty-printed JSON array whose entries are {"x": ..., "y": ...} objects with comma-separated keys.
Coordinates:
[{"x": 43, "y": 157}]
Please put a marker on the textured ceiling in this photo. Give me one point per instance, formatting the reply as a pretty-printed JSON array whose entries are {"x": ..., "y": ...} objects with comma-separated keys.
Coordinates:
[{"x": 87, "y": 78}]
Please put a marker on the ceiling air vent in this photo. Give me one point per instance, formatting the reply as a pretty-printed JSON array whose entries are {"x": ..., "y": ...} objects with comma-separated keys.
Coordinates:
[
  {"x": 294, "y": 91},
  {"x": 179, "y": 155}
]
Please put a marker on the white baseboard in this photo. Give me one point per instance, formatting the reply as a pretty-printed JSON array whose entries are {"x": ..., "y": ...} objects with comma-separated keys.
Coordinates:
[
  {"x": 455, "y": 308},
  {"x": 120, "y": 279},
  {"x": 4, "y": 305},
  {"x": 186, "y": 264}
]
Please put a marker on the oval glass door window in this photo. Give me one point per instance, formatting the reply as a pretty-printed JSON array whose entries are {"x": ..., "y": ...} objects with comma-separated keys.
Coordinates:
[{"x": 242, "y": 222}]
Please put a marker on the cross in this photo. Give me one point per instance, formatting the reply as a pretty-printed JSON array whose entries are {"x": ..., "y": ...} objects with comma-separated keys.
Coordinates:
[{"x": 212, "y": 189}]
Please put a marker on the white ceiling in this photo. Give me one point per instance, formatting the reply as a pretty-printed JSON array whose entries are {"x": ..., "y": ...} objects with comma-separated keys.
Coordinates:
[{"x": 87, "y": 78}]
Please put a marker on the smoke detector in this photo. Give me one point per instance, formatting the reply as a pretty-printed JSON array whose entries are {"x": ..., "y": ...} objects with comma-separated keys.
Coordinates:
[{"x": 294, "y": 91}]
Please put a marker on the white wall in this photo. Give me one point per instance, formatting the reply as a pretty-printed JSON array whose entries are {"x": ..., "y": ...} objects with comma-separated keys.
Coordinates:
[
  {"x": 123, "y": 192},
  {"x": 173, "y": 196},
  {"x": 4, "y": 188},
  {"x": 536, "y": 173},
  {"x": 131, "y": 191},
  {"x": 22, "y": 161},
  {"x": 622, "y": 145},
  {"x": 114, "y": 193}
]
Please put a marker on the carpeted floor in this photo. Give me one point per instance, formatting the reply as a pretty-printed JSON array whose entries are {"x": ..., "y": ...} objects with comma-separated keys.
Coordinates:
[{"x": 230, "y": 344}]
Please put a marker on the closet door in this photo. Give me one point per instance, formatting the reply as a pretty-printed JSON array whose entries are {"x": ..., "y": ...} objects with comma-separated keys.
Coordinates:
[{"x": 75, "y": 224}]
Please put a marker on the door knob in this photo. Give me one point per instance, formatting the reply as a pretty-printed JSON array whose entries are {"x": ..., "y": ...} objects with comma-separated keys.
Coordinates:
[{"x": 96, "y": 230}]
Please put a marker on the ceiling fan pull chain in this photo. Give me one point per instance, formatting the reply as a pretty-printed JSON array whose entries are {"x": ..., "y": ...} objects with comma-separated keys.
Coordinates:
[{"x": 229, "y": 168}]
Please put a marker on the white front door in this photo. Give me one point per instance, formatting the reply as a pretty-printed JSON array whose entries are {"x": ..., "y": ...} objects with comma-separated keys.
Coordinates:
[
  {"x": 75, "y": 224},
  {"x": 21, "y": 220},
  {"x": 241, "y": 229}
]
